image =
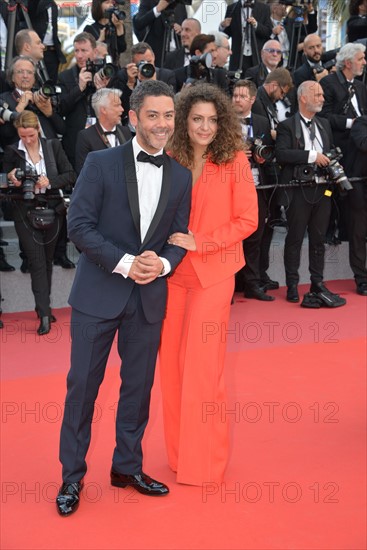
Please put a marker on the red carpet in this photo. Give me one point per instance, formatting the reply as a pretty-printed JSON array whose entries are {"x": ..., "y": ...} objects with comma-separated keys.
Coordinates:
[{"x": 296, "y": 477}]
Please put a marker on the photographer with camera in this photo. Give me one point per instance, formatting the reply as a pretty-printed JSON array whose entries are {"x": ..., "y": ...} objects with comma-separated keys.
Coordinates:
[
  {"x": 315, "y": 65},
  {"x": 78, "y": 84},
  {"x": 302, "y": 144},
  {"x": 21, "y": 76},
  {"x": 249, "y": 25},
  {"x": 37, "y": 168},
  {"x": 154, "y": 23},
  {"x": 109, "y": 26},
  {"x": 252, "y": 279},
  {"x": 141, "y": 68}
]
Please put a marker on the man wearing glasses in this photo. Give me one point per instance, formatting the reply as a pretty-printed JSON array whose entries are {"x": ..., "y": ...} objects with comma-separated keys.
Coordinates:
[{"x": 271, "y": 56}]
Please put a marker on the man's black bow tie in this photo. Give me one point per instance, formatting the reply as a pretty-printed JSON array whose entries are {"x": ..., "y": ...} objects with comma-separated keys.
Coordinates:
[
  {"x": 144, "y": 157},
  {"x": 307, "y": 122},
  {"x": 246, "y": 120},
  {"x": 113, "y": 132}
]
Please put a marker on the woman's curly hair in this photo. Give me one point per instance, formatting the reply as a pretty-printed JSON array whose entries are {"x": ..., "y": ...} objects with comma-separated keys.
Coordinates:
[{"x": 228, "y": 139}]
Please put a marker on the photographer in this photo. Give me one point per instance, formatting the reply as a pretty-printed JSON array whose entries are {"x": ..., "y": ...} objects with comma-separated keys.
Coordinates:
[
  {"x": 108, "y": 26},
  {"x": 203, "y": 51},
  {"x": 154, "y": 20},
  {"x": 142, "y": 67},
  {"x": 312, "y": 67},
  {"x": 301, "y": 146},
  {"x": 23, "y": 96},
  {"x": 45, "y": 169},
  {"x": 78, "y": 84},
  {"x": 253, "y": 279}
]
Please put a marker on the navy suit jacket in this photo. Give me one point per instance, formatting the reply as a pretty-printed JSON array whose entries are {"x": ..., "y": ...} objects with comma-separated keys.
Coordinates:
[{"x": 104, "y": 223}]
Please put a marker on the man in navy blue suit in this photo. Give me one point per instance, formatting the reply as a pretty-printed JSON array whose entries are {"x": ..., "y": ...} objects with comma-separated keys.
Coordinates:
[{"x": 127, "y": 201}]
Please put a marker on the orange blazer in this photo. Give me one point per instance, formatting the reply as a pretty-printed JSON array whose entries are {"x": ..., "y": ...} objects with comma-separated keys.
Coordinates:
[{"x": 224, "y": 212}]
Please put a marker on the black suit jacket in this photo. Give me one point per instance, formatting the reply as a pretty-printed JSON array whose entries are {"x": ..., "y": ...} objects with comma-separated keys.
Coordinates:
[
  {"x": 39, "y": 17},
  {"x": 265, "y": 107},
  {"x": 356, "y": 165},
  {"x": 336, "y": 95},
  {"x": 261, "y": 12},
  {"x": 92, "y": 139},
  {"x": 218, "y": 76},
  {"x": 75, "y": 107},
  {"x": 51, "y": 126},
  {"x": 261, "y": 129},
  {"x": 257, "y": 74},
  {"x": 104, "y": 223},
  {"x": 151, "y": 29},
  {"x": 58, "y": 170},
  {"x": 303, "y": 73},
  {"x": 289, "y": 148}
]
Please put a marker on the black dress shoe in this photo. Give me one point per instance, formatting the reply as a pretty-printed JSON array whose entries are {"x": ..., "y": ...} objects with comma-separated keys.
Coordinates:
[
  {"x": 141, "y": 482},
  {"x": 362, "y": 289},
  {"x": 292, "y": 294},
  {"x": 67, "y": 501},
  {"x": 4, "y": 266},
  {"x": 64, "y": 262},
  {"x": 52, "y": 317},
  {"x": 268, "y": 284},
  {"x": 44, "y": 327},
  {"x": 24, "y": 266},
  {"x": 258, "y": 294}
]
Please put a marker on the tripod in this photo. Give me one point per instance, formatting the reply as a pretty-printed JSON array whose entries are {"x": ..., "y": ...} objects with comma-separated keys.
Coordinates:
[
  {"x": 295, "y": 39},
  {"x": 248, "y": 38},
  {"x": 168, "y": 21},
  {"x": 14, "y": 7}
]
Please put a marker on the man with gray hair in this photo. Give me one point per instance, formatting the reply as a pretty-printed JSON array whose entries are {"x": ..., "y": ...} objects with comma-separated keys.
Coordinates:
[
  {"x": 346, "y": 102},
  {"x": 107, "y": 131},
  {"x": 223, "y": 48}
]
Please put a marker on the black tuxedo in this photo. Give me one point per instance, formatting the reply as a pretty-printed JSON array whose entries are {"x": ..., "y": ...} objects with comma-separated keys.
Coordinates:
[
  {"x": 104, "y": 223},
  {"x": 93, "y": 139},
  {"x": 151, "y": 29},
  {"x": 75, "y": 107},
  {"x": 261, "y": 12},
  {"x": 257, "y": 74},
  {"x": 335, "y": 87},
  {"x": 307, "y": 207},
  {"x": 38, "y": 13},
  {"x": 255, "y": 247},
  {"x": 357, "y": 199}
]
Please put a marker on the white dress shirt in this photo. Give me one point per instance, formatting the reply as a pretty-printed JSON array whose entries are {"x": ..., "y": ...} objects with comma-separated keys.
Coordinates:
[{"x": 149, "y": 179}]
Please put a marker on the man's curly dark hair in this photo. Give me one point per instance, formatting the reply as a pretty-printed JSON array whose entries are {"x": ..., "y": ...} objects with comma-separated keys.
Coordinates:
[{"x": 228, "y": 139}]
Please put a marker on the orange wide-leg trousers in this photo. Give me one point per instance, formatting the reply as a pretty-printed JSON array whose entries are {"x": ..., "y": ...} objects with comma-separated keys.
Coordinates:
[{"x": 191, "y": 362}]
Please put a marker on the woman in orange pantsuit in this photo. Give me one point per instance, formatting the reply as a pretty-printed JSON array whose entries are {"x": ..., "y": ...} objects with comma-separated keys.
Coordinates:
[{"x": 208, "y": 141}]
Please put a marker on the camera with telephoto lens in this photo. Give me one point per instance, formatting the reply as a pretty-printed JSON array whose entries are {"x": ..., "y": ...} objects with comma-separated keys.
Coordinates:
[
  {"x": 147, "y": 70},
  {"x": 7, "y": 114},
  {"x": 116, "y": 10},
  {"x": 256, "y": 146},
  {"x": 29, "y": 178},
  {"x": 334, "y": 170},
  {"x": 103, "y": 67},
  {"x": 199, "y": 68},
  {"x": 48, "y": 89}
]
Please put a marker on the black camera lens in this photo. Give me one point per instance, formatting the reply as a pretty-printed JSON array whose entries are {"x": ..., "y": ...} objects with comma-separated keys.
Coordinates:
[{"x": 146, "y": 69}]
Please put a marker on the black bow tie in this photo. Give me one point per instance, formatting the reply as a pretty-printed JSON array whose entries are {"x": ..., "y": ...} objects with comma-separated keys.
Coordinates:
[
  {"x": 307, "y": 122},
  {"x": 110, "y": 133},
  {"x": 247, "y": 121},
  {"x": 156, "y": 160}
]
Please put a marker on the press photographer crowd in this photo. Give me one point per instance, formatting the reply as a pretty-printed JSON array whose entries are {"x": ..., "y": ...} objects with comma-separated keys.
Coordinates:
[{"x": 302, "y": 110}]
